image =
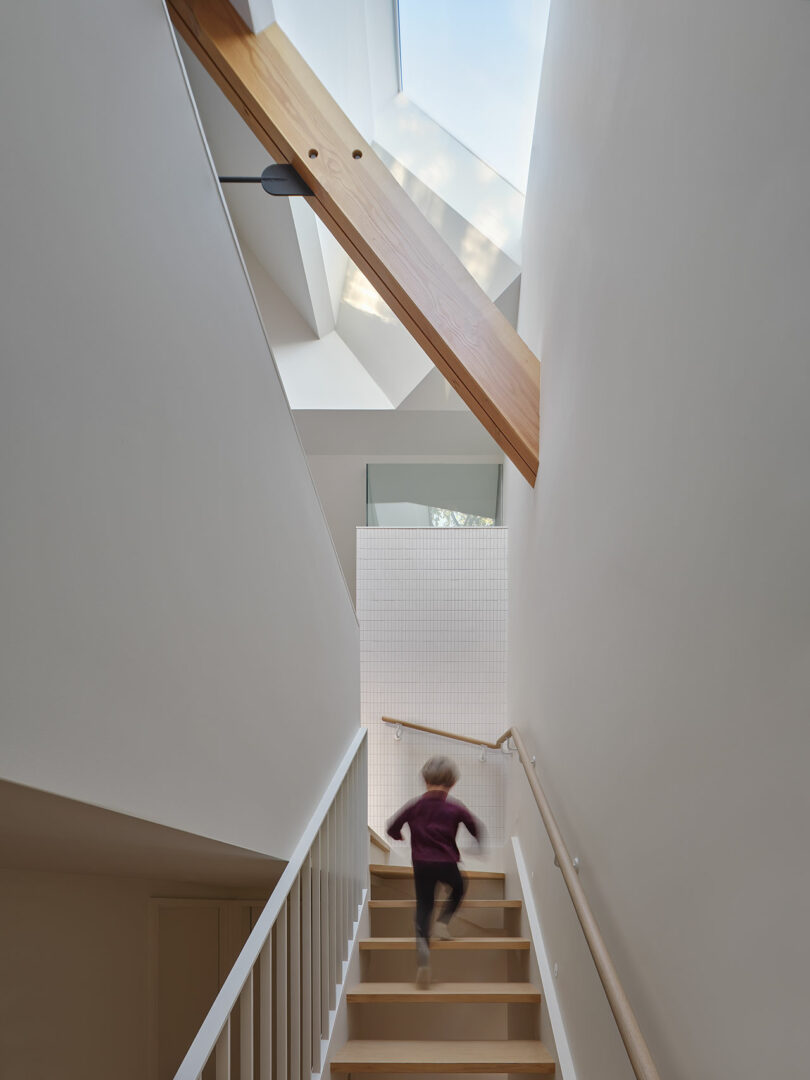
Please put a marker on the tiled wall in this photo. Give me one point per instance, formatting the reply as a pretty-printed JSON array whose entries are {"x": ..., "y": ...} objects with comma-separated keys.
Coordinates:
[{"x": 432, "y": 611}]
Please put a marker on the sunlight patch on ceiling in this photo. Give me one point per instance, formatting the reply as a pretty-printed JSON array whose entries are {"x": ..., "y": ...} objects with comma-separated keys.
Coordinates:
[{"x": 359, "y": 293}]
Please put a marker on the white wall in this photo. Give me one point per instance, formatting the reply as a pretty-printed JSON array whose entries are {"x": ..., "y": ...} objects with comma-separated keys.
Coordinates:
[
  {"x": 660, "y": 608},
  {"x": 176, "y": 638}
]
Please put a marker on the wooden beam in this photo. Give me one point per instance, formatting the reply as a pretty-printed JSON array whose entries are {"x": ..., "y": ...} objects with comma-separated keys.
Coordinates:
[{"x": 297, "y": 121}]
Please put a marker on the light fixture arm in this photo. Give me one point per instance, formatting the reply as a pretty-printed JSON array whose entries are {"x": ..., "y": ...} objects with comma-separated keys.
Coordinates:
[{"x": 275, "y": 179}]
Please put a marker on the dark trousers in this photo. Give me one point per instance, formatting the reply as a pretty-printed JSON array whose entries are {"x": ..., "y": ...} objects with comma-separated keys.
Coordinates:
[{"x": 426, "y": 876}]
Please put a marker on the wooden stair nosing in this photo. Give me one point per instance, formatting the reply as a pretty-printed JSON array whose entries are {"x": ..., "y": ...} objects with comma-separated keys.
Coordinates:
[
  {"x": 391, "y": 905},
  {"x": 455, "y": 992},
  {"x": 455, "y": 944},
  {"x": 419, "y": 1056},
  {"x": 385, "y": 870}
]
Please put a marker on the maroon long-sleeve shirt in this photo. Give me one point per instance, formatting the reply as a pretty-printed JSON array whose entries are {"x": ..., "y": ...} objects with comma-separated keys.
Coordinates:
[{"x": 433, "y": 821}]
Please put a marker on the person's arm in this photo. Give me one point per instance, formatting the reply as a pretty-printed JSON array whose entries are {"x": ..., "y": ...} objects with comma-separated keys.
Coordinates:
[
  {"x": 394, "y": 826},
  {"x": 471, "y": 823}
]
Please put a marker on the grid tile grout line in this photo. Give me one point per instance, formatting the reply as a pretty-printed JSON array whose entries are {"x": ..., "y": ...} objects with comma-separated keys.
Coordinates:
[{"x": 432, "y": 608}]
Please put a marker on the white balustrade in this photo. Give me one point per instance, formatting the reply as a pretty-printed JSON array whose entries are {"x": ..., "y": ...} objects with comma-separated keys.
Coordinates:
[{"x": 284, "y": 983}]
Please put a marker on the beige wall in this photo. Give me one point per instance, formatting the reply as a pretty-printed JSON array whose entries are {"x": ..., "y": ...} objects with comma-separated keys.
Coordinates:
[
  {"x": 76, "y": 988},
  {"x": 660, "y": 626},
  {"x": 172, "y": 606}
]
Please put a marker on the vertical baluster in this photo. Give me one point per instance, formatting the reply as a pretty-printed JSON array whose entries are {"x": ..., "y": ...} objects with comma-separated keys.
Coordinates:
[
  {"x": 246, "y": 1030},
  {"x": 317, "y": 992},
  {"x": 350, "y": 874},
  {"x": 340, "y": 834},
  {"x": 306, "y": 969},
  {"x": 362, "y": 829},
  {"x": 266, "y": 1010},
  {"x": 223, "y": 1053},
  {"x": 281, "y": 994},
  {"x": 347, "y": 863},
  {"x": 350, "y": 862},
  {"x": 333, "y": 906},
  {"x": 325, "y": 928},
  {"x": 364, "y": 876},
  {"x": 358, "y": 835},
  {"x": 294, "y": 1010},
  {"x": 347, "y": 867}
]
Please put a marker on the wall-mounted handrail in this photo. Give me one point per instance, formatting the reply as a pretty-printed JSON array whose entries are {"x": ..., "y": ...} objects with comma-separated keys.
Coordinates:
[
  {"x": 634, "y": 1042},
  {"x": 312, "y": 909},
  {"x": 447, "y": 734}
]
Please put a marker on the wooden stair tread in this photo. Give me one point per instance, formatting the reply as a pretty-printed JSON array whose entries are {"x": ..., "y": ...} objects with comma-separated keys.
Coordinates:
[
  {"x": 386, "y": 871},
  {"x": 485, "y": 992},
  {"x": 509, "y": 1055},
  {"x": 400, "y": 943},
  {"x": 388, "y": 905}
]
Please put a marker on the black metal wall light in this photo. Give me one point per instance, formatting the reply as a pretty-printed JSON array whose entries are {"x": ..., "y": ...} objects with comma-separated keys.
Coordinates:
[{"x": 275, "y": 179}]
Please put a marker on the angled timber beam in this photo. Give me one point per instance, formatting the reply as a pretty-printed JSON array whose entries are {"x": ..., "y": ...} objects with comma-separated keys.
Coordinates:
[{"x": 298, "y": 122}]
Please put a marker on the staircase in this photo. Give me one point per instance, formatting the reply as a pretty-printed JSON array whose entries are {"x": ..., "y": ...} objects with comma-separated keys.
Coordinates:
[{"x": 480, "y": 1015}]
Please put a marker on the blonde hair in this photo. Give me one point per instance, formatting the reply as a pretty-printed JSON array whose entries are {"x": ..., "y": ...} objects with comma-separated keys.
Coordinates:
[{"x": 440, "y": 772}]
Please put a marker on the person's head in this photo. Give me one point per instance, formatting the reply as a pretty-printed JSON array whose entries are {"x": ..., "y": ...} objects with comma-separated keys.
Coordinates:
[{"x": 440, "y": 772}]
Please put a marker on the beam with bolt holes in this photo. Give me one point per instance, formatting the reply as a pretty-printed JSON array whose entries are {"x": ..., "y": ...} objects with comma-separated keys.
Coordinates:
[{"x": 297, "y": 121}]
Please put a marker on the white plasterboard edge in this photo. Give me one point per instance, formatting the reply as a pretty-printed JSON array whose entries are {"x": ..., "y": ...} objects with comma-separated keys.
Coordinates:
[{"x": 565, "y": 1061}]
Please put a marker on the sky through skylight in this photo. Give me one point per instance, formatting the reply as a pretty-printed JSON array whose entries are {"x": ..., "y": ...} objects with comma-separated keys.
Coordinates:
[{"x": 474, "y": 67}]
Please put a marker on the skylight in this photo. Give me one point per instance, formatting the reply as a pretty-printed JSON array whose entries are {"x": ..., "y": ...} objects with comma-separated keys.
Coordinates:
[{"x": 474, "y": 67}]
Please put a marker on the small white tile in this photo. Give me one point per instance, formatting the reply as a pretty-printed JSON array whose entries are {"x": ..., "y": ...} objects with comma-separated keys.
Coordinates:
[{"x": 432, "y": 606}]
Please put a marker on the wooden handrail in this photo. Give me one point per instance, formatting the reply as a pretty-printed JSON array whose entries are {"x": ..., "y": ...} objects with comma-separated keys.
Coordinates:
[
  {"x": 634, "y": 1042},
  {"x": 447, "y": 734}
]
